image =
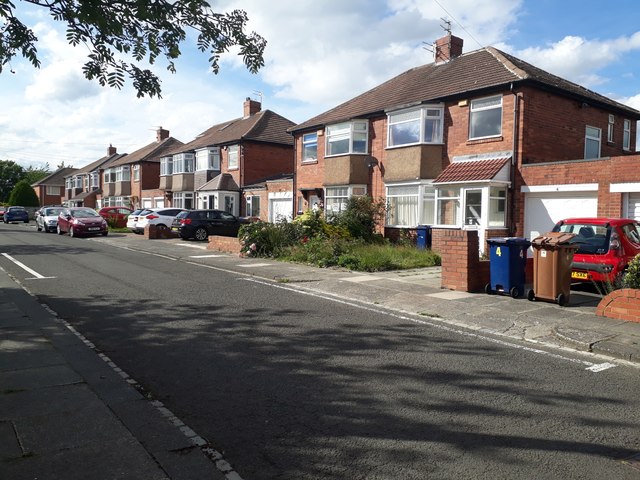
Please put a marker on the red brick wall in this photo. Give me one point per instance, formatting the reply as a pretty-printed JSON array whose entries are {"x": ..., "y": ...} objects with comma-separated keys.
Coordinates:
[
  {"x": 224, "y": 244},
  {"x": 149, "y": 176},
  {"x": 623, "y": 304},
  {"x": 259, "y": 161},
  {"x": 462, "y": 268}
]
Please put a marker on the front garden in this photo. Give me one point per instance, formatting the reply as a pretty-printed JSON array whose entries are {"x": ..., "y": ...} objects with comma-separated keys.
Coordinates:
[{"x": 347, "y": 240}]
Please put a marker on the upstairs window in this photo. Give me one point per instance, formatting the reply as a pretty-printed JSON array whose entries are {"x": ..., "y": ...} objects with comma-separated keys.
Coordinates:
[
  {"x": 626, "y": 138},
  {"x": 109, "y": 175},
  {"x": 123, "y": 174},
  {"x": 77, "y": 181},
  {"x": 612, "y": 121},
  {"x": 95, "y": 180},
  {"x": 349, "y": 137},
  {"x": 592, "y": 142},
  {"x": 233, "y": 152},
  {"x": 411, "y": 127},
  {"x": 208, "y": 159},
  {"x": 166, "y": 166},
  {"x": 183, "y": 163},
  {"x": 310, "y": 147},
  {"x": 485, "y": 117},
  {"x": 68, "y": 183},
  {"x": 52, "y": 190},
  {"x": 136, "y": 173}
]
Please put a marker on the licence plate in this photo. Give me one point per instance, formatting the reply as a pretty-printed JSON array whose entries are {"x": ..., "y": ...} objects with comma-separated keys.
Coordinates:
[
  {"x": 580, "y": 275},
  {"x": 93, "y": 229}
]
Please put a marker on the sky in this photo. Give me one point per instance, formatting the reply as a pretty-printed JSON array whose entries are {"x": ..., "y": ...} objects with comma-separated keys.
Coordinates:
[{"x": 320, "y": 53}]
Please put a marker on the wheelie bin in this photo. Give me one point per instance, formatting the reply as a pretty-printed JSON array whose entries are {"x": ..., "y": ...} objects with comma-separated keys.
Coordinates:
[
  {"x": 552, "y": 258},
  {"x": 423, "y": 236},
  {"x": 507, "y": 261}
]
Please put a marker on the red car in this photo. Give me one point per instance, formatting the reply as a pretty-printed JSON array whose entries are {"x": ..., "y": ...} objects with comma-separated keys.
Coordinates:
[
  {"x": 606, "y": 246},
  {"x": 79, "y": 221},
  {"x": 117, "y": 216}
]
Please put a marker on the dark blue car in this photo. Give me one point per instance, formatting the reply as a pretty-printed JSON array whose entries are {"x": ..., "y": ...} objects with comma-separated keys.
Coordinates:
[{"x": 16, "y": 214}]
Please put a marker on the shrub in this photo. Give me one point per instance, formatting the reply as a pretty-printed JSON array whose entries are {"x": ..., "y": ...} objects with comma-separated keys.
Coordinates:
[
  {"x": 360, "y": 217},
  {"x": 23, "y": 194},
  {"x": 632, "y": 276},
  {"x": 268, "y": 239}
]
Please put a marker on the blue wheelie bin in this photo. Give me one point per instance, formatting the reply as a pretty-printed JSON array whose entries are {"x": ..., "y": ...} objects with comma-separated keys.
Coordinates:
[
  {"x": 508, "y": 259},
  {"x": 423, "y": 236}
]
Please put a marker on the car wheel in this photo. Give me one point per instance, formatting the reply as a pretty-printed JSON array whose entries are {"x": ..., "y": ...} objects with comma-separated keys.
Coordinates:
[
  {"x": 104, "y": 234},
  {"x": 59, "y": 230},
  {"x": 201, "y": 234},
  {"x": 71, "y": 232},
  {"x": 40, "y": 228}
]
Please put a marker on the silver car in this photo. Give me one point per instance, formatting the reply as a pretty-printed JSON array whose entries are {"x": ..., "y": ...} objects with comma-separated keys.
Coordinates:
[{"x": 47, "y": 219}]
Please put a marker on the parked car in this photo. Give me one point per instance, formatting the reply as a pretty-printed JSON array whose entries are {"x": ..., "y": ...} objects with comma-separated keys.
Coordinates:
[
  {"x": 47, "y": 218},
  {"x": 79, "y": 221},
  {"x": 605, "y": 247},
  {"x": 199, "y": 224},
  {"x": 2, "y": 210},
  {"x": 161, "y": 217},
  {"x": 15, "y": 214},
  {"x": 115, "y": 216},
  {"x": 132, "y": 219}
]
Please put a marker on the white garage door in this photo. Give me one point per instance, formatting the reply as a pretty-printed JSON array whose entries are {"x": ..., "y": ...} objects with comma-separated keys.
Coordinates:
[
  {"x": 633, "y": 206},
  {"x": 280, "y": 209},
  {"x": 543, "y": 210}
]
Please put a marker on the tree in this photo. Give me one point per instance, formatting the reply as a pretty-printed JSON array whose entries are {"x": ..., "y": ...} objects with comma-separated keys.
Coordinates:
[
  {"x": 24, "y": 194},
  {"x": 139, "y": 29},
  {"x": 10, "y": 174},
  {"x": 32, "y": 175}
]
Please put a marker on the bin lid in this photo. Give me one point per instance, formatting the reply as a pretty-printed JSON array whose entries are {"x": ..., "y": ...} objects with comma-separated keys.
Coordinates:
[
  {"x": 552, "y": 239},
  {"x": 516, "y": 241}
]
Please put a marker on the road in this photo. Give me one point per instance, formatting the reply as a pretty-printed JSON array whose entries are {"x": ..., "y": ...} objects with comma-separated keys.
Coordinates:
[{"x": 293, "y": 386}]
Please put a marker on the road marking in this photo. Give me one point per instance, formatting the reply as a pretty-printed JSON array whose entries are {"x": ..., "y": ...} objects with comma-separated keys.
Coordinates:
[
  {"x": 251, "y": 265},
  {"x": 205, "y": 256},
  {"x": 593, "y": 367},
  {"x": 36, "y": 275},
  {"x": 201, "y": 247}
]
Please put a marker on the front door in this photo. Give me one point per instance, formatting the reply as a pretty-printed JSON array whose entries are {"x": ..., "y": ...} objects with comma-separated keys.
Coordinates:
[
  {"x": 212, "y": 202},
  {"x": 473, "y": 208}
]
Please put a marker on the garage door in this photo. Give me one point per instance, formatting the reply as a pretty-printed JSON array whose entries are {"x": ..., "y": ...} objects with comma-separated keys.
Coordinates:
[
  {"x": 280, "y": 209},
  {"x": 633, "y": 206},
  {"x": 543, "y": 210}
]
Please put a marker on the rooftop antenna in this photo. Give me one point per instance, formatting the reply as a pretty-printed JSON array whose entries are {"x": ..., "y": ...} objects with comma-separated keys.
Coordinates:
[
  {"x": 259, "y": 93},
  {"x": 447, "y": 25}
]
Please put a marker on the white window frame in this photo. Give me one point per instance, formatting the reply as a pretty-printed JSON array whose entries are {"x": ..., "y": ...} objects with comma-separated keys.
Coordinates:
[
  {"x": 309, "y": 140},
  {"x": 180, "y": 199},
  {"x": 420, "y": 194},
  {"x": 457, "y": 199},
  {"x": 626, "y": 137},
  {"x": 183, "y": 163},
  {"x": 590, "y": 137},
  {"x": 339, "y": 194},
  {"x": 233, "y": 157},
  {"x": 253, "y": 206},
  {"x": 610, "y": 132},
  {"x": 77, "y": 181},
  {"x": 420, "y": 117},
  {"x": 95, "y": 180},
  {"x": 478, "y": 107},
  {"x": 347, "y": 131},
  {"x": 68, "y": 183},
  {"x": 109, "y": 176},
  {"x": 136, "y": 173},
  {"x": 52, "y": 190},
  {"x": 208, "y": 159},
  {"x": 123, "y": 174},
  {"x": 496, "y": 202},
  {"x": 166, "y": 166}
]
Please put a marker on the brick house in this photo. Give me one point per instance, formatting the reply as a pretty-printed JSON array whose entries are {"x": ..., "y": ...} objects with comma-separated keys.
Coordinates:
[
  {"x": 212, "y": 170},
  {"x": 134, "y": 180},
  {"x": 50, "y": 189},
  {"x": 478, "y": 141},
  {"x": 82, "y": 187}
]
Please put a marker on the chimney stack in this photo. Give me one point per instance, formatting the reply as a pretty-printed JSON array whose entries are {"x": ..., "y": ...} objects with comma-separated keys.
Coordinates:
[
  {"x": 251, "y": 107},
  {"x": 161, "y": 134},
  {"x": 447, "y": 48},
  {"x": 111, "y": 150}
]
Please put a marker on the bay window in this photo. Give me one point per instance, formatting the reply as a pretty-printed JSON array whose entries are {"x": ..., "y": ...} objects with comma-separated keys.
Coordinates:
[
  {"x": 77, "y": 181},
  {"x": 183, "y": 200},
  {"x": 183, "y": 163},
  {"x": 335, "y": 198},
  {"x": 410, "y": 127},
  {"x": 485, "y": 117},
  {"x": 349, "y": 137},
  {"x": 123, "y": 174},
  {"x": 208, "y": 159},
  {"x": 95, "y": 180},
  {"x": 166, "y": 166},
  {"x": 410, "y": 205}
]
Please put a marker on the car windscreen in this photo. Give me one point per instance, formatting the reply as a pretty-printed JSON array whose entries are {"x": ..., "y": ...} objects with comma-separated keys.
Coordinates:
[
  {"x": 591, "y": 239},
  {"x": 84, "y": 213},
  {"x": 49, "y": 212}
]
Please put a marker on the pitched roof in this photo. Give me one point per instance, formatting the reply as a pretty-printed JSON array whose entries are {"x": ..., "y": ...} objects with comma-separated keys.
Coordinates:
[
  {"x": 224, "y": 181},
  {"x": 98, "y": 164},
  {"x": 483, "y": 69},
  {"x": 264, "y": 126},
  {"x": 56, "y": 178},
  {"x": 471, "y": 171},
  {"x": 149, "y": 153}
]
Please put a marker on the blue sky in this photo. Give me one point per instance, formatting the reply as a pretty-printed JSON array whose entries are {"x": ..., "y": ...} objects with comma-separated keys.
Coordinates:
[{"x": 320, "y": 53}]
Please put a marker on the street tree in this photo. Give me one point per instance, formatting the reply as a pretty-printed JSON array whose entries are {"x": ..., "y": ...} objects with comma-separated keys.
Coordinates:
[
  {"x": 10, "y": 174},
  {"x": 23, "y": 194},
  {"x": 32, "y": 174},
  {"x": 123, "y": 36}
]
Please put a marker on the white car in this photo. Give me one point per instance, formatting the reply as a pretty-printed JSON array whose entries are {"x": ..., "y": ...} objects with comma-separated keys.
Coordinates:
[
  {"x": 161, "y": 217},
  {"x": 47, "y": 219},
  {"x": 132, "y": 219}
]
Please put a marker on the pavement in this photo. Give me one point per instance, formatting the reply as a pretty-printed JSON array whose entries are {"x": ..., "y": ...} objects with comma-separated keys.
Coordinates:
[{"x": 68, "y": 412}]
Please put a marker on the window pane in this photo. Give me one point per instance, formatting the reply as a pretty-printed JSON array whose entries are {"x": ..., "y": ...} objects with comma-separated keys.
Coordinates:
[
  {"x": 592, "y": 148},
  {"x": 428, "y": 207},
  {"x": 360, "y": 143},
  {"x": 403, "y": 211},
  {"x": 404, "y": 133},
  {"x": 432, "y": 130},
  {"x": 486, "y": 123},
  {"x": 338, "y": 146},
  {"x": 448, "y": 211}
]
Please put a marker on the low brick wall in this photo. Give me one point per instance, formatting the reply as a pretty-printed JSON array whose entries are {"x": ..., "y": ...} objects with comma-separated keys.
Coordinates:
[
  {"x": 623, "y": 304},
  {"x": 224, "y": 244},
  {"x": 152, "y": 232}
]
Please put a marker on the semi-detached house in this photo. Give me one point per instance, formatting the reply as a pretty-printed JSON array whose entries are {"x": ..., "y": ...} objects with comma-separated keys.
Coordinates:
[
  {"x": 212, "y": 170},
  {"x": 481, "y": 141}
]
